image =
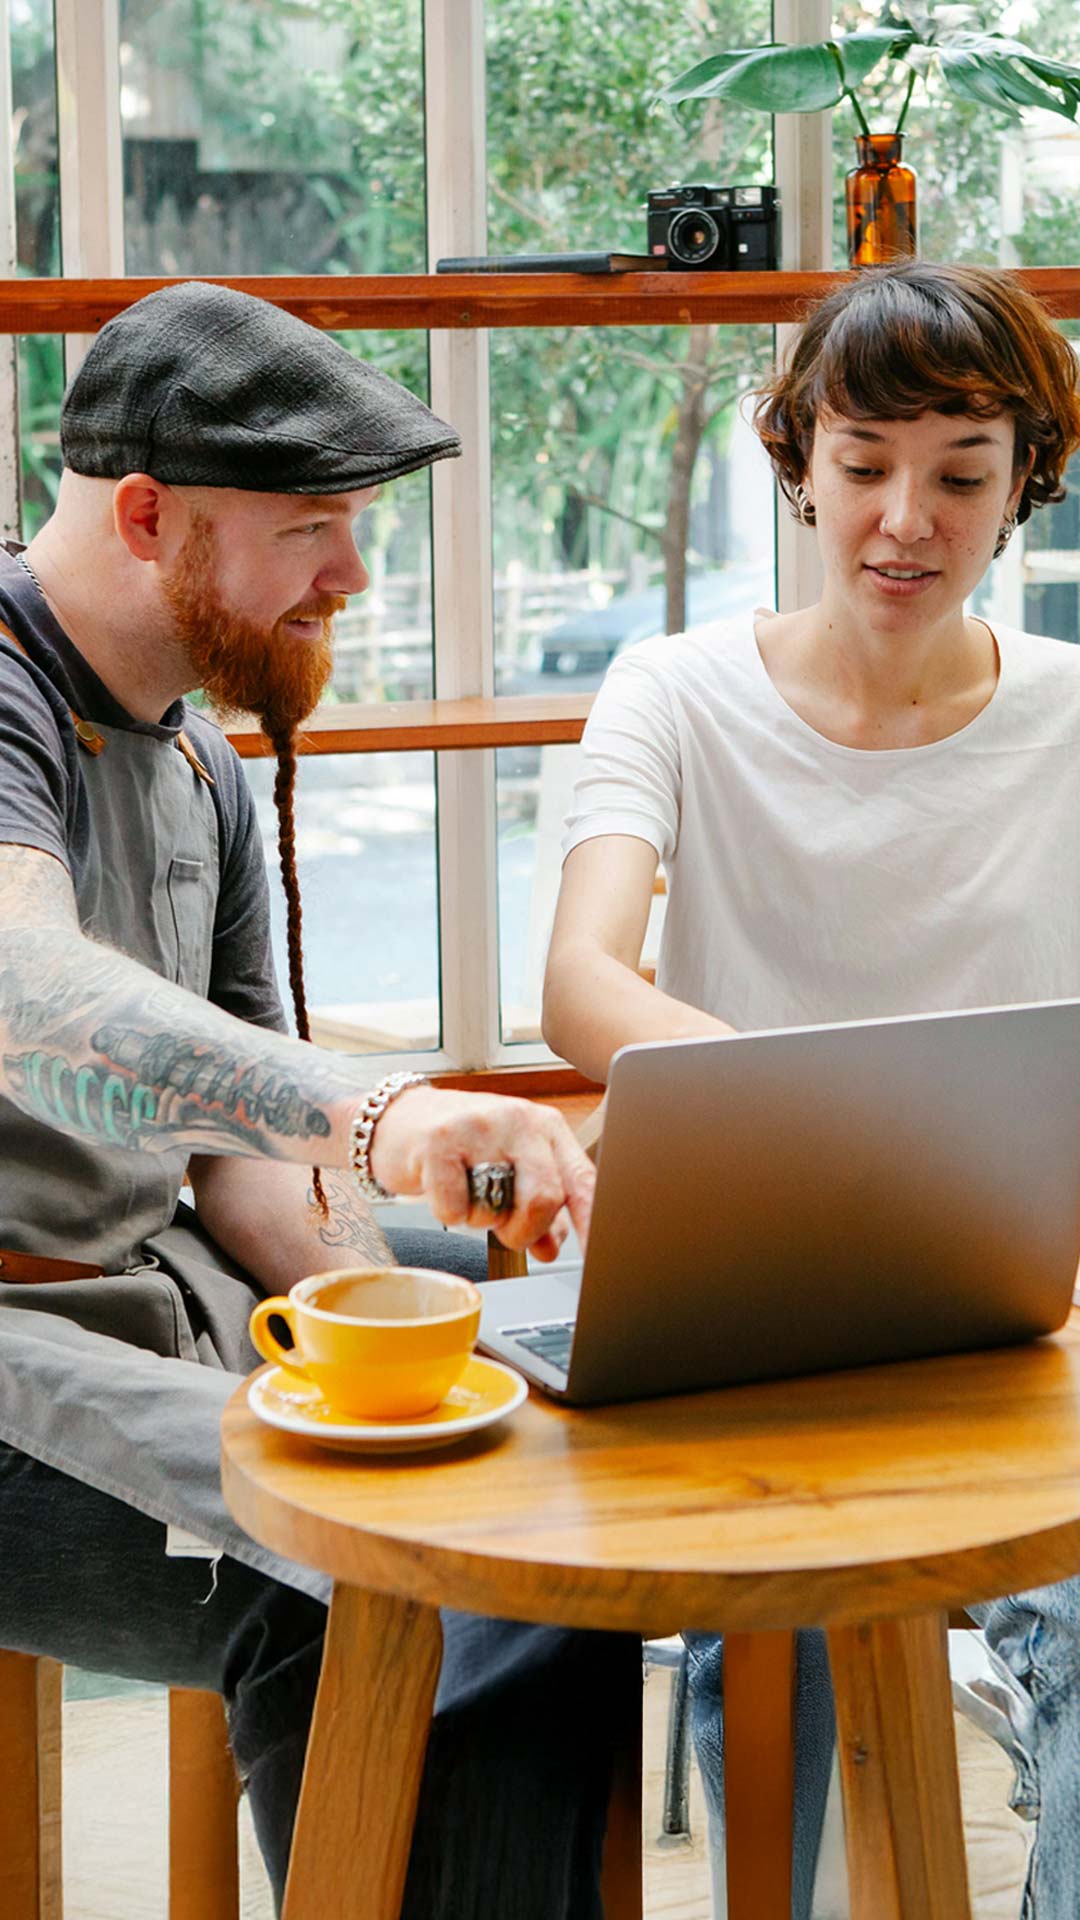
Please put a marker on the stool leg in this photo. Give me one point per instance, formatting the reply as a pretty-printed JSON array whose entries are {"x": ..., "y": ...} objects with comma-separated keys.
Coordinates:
[
  {"x": 31, "y": 1865},
  {"x": 675, "y": 1819},
  {"x": 365, "y": 1758},
  {"x": 204, "y": 1865},
  {"x": 621, "y": 1891},
  {"x": 759, "y": 1773},
  {"x": 905, "y": 1837}
]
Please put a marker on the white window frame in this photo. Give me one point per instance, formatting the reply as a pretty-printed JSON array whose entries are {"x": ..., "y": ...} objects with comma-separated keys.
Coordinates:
[
  {"x": 91, "y": 190},
  {"x": 10, "y": 442}
]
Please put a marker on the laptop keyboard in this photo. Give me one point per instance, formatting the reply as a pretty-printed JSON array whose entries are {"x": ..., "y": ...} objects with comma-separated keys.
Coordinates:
[{"x": 549, "y": 1340}]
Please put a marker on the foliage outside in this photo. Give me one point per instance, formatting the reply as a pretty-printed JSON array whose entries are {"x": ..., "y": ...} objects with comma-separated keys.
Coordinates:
[{"x": 302, "y": 151}]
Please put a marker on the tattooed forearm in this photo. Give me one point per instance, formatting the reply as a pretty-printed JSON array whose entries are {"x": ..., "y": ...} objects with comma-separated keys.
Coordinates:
[
  {"x": 126, "y": 1106},
  {"x": 351, "y": 1224},
  {"x": 210, "y": 1080},
  {"x": 96, "y": 1045}
]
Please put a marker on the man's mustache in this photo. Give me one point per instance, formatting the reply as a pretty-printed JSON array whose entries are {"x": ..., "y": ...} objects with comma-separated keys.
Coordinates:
[{"x": 322, "y": 608}]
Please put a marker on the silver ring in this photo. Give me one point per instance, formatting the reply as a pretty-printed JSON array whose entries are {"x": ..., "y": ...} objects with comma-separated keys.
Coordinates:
[{"x": 491, "y": 1186}]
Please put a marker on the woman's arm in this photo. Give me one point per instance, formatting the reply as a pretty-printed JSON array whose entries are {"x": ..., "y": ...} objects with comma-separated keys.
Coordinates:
[{"x": 595, "y": 1001}]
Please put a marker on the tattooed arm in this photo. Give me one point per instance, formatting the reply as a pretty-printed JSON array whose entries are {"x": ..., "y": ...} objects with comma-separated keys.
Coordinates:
[
  {"x": 98, "y": 1046},
  {"x": 261, "y": 1213}
]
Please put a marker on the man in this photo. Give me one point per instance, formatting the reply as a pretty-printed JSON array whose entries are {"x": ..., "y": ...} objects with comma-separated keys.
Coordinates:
[{"x": 217, "y": 453}]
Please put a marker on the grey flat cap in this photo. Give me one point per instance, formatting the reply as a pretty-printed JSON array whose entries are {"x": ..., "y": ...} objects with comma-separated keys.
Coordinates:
[{"x": 200, "y": 385}]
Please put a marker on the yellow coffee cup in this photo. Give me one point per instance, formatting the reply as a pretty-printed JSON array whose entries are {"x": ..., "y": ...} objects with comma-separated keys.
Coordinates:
[{"x": 383, "y": 1343}]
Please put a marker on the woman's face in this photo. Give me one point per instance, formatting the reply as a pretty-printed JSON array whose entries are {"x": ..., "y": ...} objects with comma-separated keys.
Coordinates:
[{"x": 908, "y": 511}]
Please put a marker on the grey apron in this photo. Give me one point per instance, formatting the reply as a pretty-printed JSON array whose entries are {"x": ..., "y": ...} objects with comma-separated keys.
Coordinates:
[{"x": 120, "y": 1381}]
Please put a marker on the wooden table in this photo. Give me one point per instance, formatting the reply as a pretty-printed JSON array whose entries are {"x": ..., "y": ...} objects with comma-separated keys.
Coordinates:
[{"x": 869, "y": 1503}]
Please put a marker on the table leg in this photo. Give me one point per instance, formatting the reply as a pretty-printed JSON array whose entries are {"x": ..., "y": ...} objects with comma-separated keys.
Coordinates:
[
  {"x": 365, "y": 1758},
  {"x": 905, "y": 1836},
  {"x": 759, "y": 1773}
]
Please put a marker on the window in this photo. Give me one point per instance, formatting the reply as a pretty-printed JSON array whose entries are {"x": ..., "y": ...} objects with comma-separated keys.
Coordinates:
[
  {"x": 340, "y": 137},
  {"x": 270, "y": 138},
  {"x": 37, "y": 247},
  {"x": 629, "y": 497}
]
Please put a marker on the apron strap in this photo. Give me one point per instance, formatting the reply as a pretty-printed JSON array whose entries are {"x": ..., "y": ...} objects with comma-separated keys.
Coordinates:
[
  {"x": 88, "y": 736},
  {"x": 192, "y": 759}
]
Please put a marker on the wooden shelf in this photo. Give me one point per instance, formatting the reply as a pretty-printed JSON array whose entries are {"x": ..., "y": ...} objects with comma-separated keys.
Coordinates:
[
  {"x": 485, "y": 300},
  {"x": 424, "y": 726}
]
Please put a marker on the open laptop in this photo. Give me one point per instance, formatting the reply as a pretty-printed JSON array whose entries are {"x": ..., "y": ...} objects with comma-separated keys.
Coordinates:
[{"x": 818, "y": 1197}]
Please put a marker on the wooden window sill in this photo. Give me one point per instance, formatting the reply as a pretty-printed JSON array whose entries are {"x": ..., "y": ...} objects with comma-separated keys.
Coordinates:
[
  {"x": 423, "y": 301},
  {"x": 419, "y": 726}
]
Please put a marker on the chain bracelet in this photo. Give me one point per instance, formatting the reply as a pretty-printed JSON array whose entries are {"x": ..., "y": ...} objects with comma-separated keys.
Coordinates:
[{"x": 363, "y": 1128}]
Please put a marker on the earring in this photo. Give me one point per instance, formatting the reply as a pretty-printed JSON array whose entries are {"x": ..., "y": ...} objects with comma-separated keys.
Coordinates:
[
  {"x": 805, "y": 506},
  {"x": 1005, "y": 534}
]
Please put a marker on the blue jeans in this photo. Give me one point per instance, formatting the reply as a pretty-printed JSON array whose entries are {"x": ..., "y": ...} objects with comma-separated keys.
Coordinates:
[
  {"x": 1037, "y": 1636},
  {"x": 815, "y": 1730}
]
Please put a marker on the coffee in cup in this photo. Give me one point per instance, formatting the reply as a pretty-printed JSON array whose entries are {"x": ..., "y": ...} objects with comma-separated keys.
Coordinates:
[{"x": 380, "y": 1343}]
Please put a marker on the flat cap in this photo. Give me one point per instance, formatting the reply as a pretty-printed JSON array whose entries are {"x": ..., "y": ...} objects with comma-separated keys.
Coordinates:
[{"x": 200, "y": 385}]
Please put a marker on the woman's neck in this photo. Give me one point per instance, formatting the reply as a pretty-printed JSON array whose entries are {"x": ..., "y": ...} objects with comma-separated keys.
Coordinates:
[{"x": 874, "y": 688}]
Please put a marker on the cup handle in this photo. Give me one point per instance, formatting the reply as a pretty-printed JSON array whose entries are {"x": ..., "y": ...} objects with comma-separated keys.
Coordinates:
[{"x": 263, "y": 1339}]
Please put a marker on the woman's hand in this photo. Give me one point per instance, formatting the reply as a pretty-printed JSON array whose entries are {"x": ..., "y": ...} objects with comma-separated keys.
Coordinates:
[{"x": 427, "y": 1140}]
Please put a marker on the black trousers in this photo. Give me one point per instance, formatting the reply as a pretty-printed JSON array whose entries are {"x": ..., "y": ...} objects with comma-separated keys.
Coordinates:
[{"x": 527, "y": 1719}]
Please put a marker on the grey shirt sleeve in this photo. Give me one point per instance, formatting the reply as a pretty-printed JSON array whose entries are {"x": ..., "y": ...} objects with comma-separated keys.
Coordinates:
[
  {"x": 42, "y": 805},
  {"x": 37, "y": 798}
]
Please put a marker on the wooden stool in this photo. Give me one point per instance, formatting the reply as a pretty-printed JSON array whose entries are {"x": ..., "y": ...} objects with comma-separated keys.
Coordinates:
[{"x": 204, "y": 1880}]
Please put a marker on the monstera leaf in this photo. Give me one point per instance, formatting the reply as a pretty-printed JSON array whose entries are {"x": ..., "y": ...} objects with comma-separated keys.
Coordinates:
[
  {"x": 780, "y": 79},
  {"x": 990, "y": 68},
  {"x": 1003, "y": 73}
]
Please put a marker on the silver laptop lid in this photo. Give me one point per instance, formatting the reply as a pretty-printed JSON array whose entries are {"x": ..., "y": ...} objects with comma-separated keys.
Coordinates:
[{"x": 826, "y": 1197}]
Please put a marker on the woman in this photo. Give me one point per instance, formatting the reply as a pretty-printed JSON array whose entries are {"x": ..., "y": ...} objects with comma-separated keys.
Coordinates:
[{"x": 864, "y": 807}]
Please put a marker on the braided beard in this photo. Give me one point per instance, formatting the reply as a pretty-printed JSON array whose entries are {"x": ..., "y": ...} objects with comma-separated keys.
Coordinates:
[{"x": 242, "y": 667}]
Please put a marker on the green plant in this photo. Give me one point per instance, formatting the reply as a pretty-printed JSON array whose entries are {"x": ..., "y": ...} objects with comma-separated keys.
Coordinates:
[{"x": 976, "y": 64}]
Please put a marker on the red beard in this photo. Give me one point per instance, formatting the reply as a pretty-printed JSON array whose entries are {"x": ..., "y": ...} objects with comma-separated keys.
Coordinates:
[{"x": 241, "y": 667}]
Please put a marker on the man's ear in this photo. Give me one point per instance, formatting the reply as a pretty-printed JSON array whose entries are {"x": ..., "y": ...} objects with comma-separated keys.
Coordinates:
[{"x": 146, "y": 517}]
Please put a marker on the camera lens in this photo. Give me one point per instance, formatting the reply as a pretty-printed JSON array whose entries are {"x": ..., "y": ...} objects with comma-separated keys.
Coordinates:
[{"x": 693, "y": 236}]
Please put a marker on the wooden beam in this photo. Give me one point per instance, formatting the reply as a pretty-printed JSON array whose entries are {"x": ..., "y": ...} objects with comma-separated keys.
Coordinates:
[
  {"x": 423, "y": 301},
  {"x": 424, "y": 726},
  {"x": 555, "y": 1085}
]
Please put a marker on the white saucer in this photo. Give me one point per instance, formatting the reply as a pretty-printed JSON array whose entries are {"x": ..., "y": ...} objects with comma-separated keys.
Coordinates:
[{"x": 486, "y": 1392}]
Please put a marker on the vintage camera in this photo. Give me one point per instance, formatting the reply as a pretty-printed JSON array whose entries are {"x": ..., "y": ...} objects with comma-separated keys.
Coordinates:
[{"x": 731, "y": 229}]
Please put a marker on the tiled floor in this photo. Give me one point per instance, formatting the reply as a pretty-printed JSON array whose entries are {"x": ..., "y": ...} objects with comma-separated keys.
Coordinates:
[{"x": 115, "y": 1822}]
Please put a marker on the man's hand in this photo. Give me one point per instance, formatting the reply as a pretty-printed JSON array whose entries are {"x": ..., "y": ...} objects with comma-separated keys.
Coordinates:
[{"x": 426, "y": 1141}]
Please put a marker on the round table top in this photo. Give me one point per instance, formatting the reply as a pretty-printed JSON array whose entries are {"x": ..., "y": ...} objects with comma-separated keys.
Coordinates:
[{"x": 826, "y": 1500}]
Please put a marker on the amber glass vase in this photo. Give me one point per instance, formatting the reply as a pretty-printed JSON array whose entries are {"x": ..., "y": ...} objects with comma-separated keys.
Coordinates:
[{"x": 880, "y": 202}]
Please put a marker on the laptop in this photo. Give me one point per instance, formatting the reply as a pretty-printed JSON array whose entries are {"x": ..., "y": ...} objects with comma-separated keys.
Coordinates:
[{"x": 813, "y": 1198}]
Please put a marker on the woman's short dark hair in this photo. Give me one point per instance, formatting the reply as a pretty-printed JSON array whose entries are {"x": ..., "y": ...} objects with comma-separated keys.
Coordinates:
[{"x": 914, "y": 338}]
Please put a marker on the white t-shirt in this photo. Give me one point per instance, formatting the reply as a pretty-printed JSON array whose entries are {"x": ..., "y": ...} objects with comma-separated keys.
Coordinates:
[{"x": 809, "y": 881}]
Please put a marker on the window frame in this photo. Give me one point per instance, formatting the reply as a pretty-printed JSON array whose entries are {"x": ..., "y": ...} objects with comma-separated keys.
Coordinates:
[{"x": 456, "y": 313}]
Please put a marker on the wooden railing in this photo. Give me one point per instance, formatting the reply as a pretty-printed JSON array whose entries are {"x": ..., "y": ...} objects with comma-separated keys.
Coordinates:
[
  {"x": 426, "y": 301},
  {"x": 418, "y": 726}
]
